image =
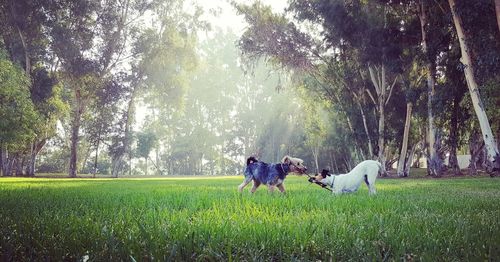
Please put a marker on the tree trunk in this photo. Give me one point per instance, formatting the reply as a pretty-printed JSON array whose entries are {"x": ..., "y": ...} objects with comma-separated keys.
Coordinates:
[
  {"x": 30, "y": 167},
  {"x": 379, "y": 82},
  {"x": 409, "y": 161},
  {"x": 359, "y": 99},
  {"x": 118, "y": 161},
  {"x": 75, "y": 133},
  {"x": 94, "y": 171},
  {"x": 3, "y": 154},
  {"x": 452, "y": 159},
  {"x": 36, "y": 148},
  {"x": 19, "y": 165},
  {"x": 475, "y": 148},
  {"x": 434, "y": 167},
  {"x": 9, "y": 165},
  {"x": 363, "y": 116},
  {"x": 27, "y": 61},
  {"x": 489, "y": 139},
  {"x": 497, "y": 11},
  {"x": 381, "y": 133},
  {"x": 335, "y": 165},
  {"x": 315, "y": 153},
  {"x": 330, "y": 161},
  {"x": 404, "y": 148}
]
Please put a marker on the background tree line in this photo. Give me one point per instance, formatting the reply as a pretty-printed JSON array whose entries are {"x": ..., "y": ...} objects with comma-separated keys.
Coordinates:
[
  {"x": 406, "y": 77},
  {"x": 130, "y": 87}
]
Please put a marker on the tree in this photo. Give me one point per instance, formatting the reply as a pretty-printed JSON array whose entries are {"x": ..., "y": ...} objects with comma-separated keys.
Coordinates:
[
  {"x": 17, "y": 113},
  {"x": 435, "y": 164},
  {"x": 145, "y": 142},
  {"x": 27, "y": 44},
  {"x": 489, "y": 140},
  {"x": 163, "y": 53},
  {"x": 102, "y": 122},
  {"x": 89, "y": 39}
]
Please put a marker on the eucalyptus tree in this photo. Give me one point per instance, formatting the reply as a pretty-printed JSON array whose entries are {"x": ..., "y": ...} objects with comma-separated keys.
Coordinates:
[
  {"x": 429, "y": 49},
  {"x": 412, "y": 87},
  {"x": 461, "y": 12},
  {"x": 366, "y": 27},
  {"x": 89, "y": 38},
  {"x": 23, "y": 32},
  {"x": 213, "y": 98},
  {"x": 17, "y": 113},
  {"x": 163, "y": 59},
  {"x": 145, "y": 143},
  {"x": 100, "y": 122}
]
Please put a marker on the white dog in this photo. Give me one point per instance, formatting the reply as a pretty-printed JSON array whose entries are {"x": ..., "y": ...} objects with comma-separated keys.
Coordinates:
[{"x": 367, "y": 170}]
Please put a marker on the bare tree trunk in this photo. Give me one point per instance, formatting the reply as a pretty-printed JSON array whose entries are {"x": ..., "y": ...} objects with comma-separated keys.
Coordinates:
[
  {"x": 409, "y": 161},
  {"x": 358, "y": 99},
  {"x": 347, "y": 163},
  {"x": 118, "y": 161},
  {"x": 381, "y": 133},
  {"x": 489, "y": 139},
  {"x": 315, "y": 153},
  {"x": 404, "y": 148},
  {"x": 336, "y": 165},
  {"x": 3, "y": 159},
  {"x": 75, "y": 133},
  {"x": 370, "y": 147},
  {"x": 94, "y": 171},
  {"x": 30, "y": 166},
  {"x": 384, "y": 93},
  {"x": 37, "y": 146},
  {"x": 27, "y": 59},
  {"x": 19, "y": 161},
  {"x": 11, "y": 161},
  {"x": 434, "y": 167},
  {"x": 452, "y": 159},
  {"x": 475, "y": 148},
  {"x": 497, "y": 11}
]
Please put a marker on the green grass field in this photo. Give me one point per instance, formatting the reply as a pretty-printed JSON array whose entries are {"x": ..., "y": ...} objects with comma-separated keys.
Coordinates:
[{"x": 206, "y": 219}]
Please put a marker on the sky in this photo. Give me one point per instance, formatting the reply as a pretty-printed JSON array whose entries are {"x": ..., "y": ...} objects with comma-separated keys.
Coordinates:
[
  {"x": 228, "y": 17},
  {"x": 220, "y": 13}
]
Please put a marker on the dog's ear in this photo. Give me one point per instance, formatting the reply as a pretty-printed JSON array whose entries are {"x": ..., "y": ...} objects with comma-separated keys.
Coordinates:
[
  {"x": 286, "y": 160},
  {"x": 325, "y": 173}
]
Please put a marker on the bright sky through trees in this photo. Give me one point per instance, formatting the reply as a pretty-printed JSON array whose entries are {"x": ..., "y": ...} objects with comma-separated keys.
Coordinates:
[{"x": 221, "y": 14}]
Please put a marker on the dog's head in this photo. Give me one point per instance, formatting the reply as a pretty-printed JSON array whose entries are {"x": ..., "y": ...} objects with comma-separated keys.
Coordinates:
[
  {"x": 296, "y": 164},
  {"x": 324, "y": 173}
]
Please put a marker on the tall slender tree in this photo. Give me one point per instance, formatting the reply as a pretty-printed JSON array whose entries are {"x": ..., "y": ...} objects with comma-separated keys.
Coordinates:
[{"x": 489, "y": 140}]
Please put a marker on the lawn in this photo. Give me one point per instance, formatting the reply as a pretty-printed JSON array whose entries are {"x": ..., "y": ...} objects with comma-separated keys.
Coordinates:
[{"x": 206, "y": 219}]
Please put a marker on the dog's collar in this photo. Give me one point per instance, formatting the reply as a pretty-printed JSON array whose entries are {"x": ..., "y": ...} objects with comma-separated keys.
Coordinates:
[{"x": 282, "y": 169}]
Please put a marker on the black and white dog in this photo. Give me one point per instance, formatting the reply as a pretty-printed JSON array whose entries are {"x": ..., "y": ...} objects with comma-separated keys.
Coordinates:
[
  {"x": 273, "y": 174},
  {"x": 366, "y": 171}
]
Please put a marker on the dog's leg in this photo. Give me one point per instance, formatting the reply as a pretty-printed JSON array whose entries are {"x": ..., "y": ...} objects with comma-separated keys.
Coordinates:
[
  {"x": 370, "y": 182},
  {"x": 281, "y": 187},
  {"x": 245, "y": 183},
  {"x": 336, "y": 192},
  {"x": 256, "y": 184},
  {"x": 271, "y": 188}
]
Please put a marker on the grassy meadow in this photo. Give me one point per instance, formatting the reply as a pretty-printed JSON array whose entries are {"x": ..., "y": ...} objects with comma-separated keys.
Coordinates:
[{"x": 206, "y": 219}]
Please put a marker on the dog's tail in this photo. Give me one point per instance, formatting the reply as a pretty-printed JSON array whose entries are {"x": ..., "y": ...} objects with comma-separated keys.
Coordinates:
[{"x": 251, "y": 160}]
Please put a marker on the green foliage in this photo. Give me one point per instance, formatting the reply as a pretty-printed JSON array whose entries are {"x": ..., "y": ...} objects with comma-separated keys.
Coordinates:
[
  {"x": 17, "y": 112},
  {"x": 185, "y": 219},
  {"x": 145, "y": 142}
]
